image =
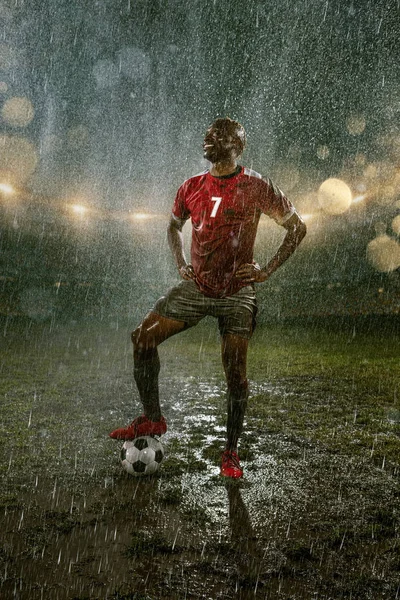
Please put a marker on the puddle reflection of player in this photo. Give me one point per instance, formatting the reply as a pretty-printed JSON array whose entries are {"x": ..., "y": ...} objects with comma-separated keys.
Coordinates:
[
  {"x": 244, "y": 543},
  {"x": 224, "y": 204}
]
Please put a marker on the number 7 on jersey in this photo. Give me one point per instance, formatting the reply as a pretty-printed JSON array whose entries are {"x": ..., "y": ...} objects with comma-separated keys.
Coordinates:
[{"x": 217, "y": 201}]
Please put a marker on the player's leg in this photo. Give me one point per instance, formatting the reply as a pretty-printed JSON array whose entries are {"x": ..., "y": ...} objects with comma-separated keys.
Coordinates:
[
  {"x": 236, "y": 316},
  {"x": 234, "y": 360},
  {"x": 153, "y": 330},
  {"x": 181, "y": 307}
]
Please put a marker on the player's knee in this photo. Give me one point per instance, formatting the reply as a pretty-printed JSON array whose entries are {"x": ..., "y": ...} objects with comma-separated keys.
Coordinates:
[
  {"x": 141, "y": 341},
  {"x": 137, "y": 338}
]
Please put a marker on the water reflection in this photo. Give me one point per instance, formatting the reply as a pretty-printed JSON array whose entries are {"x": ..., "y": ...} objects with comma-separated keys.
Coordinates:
[{"x": 248, "y": 555}]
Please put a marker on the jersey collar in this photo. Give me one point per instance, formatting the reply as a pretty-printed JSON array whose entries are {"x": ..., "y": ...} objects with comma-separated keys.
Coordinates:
[{"x": 238, "y": 170}]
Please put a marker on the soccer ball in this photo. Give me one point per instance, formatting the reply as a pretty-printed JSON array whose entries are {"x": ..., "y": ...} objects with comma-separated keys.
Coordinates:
[{"x": 142, "y": 456}]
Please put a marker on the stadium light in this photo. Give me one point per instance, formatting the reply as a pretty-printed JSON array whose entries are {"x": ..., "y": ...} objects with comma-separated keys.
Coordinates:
[
  {"x": 141, "y": 216},
  {"x": 78, "y": 209},
  {"x": 6, "y": 188}
]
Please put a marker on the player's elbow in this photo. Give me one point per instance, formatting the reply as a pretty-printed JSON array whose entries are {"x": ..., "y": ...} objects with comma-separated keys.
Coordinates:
[
  {"x": 297, "y": 228},
  {"x": 301, "y": 230}
]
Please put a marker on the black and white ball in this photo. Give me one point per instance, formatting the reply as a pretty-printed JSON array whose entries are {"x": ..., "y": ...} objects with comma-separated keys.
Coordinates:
[{"x": 142, "y": 456}]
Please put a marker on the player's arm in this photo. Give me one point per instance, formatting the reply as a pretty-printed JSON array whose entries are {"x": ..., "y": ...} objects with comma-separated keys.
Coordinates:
[
  {"x": 175, "y": 241},
  {"x": 295, "y": 231}
]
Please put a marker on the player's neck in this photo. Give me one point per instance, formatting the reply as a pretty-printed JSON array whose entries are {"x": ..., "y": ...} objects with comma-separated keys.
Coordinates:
[{"x": 220, "y": 169}]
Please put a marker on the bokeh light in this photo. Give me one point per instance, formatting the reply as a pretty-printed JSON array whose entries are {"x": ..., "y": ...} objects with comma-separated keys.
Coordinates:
[
  {"x": 323, "y": 152},
  {"x": 6, "y": 188},
  {"x": 383, "y": 253},
  {"x": 18, "y": 158},
  {"x": 370, "y": 172},
  {"x": 78, "y": 209},
  {"x": 106, "y": 73},
  {"x": 18, "y": 111},
  {"x": 383, "y": 171},
  {"x": 385, "y": 195},
  {"x": 334, "y": 196},
  {"x": 134, "y": 63},
  {"x": 355, "y": 124},
  {"x": 360, "y": 159}
]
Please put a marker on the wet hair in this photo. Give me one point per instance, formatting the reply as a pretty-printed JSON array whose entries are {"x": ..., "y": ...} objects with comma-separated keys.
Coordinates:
[{"x": 233, "y": 128}]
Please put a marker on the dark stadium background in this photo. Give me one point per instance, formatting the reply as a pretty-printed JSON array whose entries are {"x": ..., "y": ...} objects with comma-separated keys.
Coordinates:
[{"x": 120, "y": 94}]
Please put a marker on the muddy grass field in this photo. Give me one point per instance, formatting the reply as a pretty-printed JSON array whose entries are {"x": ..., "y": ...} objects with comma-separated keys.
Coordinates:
[{"x": 316, "y": 516}]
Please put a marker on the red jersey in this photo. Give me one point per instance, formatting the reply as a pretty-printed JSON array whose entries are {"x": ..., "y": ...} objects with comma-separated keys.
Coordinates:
[{"x": 225, "y": 212}]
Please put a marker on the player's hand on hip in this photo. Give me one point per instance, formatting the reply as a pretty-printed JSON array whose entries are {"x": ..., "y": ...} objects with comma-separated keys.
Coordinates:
[
  {"x": 187, "y": 272},
  {"x": 251, "y": 273}
]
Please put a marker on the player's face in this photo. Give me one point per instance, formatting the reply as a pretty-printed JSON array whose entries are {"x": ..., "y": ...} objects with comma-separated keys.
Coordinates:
[{"x": 219, "y": 146}]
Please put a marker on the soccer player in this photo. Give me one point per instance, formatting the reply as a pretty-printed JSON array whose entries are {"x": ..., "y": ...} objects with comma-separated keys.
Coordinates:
[{"x": 224, "y": 204}]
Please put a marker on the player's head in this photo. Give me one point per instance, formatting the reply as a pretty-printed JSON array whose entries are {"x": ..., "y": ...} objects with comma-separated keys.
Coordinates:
[{"x": 225, "y": 139}]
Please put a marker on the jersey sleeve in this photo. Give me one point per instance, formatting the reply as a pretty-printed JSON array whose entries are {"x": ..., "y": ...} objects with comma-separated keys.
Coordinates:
[
  {"x": 273, "y": 202},
  {"x": 179, "y": 209}
]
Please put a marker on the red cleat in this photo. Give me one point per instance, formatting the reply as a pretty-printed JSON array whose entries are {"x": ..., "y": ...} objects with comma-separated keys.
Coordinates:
[
  {"x": 141, "y": 426},
  {"x": 230, "y": 466}
]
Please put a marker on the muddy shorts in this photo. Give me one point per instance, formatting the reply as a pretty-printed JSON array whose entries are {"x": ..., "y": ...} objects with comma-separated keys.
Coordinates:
[{"x": 236, "y": 314}]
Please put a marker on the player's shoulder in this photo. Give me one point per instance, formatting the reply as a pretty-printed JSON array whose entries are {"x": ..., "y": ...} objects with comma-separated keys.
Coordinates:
[
  {"x": 261, "y": 184},
  {"x": 255, "y": 179},
  {"x": 195, "y": 179},
  {"x": 247, "y": 172}
]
